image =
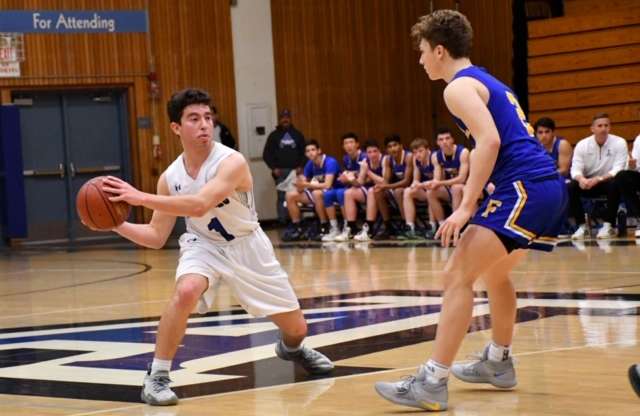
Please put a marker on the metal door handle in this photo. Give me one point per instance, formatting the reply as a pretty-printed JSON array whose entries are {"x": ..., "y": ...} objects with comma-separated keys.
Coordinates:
[
  {"x": 52, "y": 172},
  {"x": 72, "y": 170},
  {"x": 99, "y": 169}
]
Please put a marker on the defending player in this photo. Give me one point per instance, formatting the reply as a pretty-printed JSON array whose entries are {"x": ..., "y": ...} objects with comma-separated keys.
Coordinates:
[
  {"x": 524, "y": 212},
  {"x": 211, "y": 186}
]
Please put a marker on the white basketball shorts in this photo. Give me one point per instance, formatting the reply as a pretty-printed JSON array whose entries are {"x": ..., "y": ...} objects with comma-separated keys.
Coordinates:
[{"x": 247, "y": 264}]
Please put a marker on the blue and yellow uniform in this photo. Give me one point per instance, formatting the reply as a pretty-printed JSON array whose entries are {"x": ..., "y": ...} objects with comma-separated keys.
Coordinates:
[
  {"x": 398, "y": 170},
  {"x": 328, "y": 166},
  {"x": 527, "y": 206},
  {"x": 555, "y": 153},
  {"x": 450, "y": 164},
  {"x": 426, "y": 170},
  {"x": 336, "y": 194}
]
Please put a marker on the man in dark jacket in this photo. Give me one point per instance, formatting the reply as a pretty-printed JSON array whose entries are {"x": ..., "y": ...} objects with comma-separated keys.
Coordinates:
[
  {"x": 221, "y": 133},
  {"x": 283, "y": 152}
]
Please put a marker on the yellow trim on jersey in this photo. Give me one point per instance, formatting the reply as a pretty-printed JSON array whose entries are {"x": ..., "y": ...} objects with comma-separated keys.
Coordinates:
[{"x": 517, "y": 210}]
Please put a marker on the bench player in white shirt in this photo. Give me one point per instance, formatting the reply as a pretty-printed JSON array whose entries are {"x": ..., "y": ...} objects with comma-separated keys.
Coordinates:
[{"x": 211, "y": 186}]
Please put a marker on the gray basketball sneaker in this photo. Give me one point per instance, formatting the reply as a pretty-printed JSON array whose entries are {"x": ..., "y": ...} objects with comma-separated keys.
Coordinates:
[
  {"x": 500, "y": 374},
  {"x": 156, "y": 391},
  {"x": 416, "y": 391},
  {"x": 311, "y": 360}
]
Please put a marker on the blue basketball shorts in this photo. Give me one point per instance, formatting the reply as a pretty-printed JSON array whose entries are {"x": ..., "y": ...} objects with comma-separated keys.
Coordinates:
[
  {"x": 531, "y": 213},
  {"x": 333, "y": 196}
]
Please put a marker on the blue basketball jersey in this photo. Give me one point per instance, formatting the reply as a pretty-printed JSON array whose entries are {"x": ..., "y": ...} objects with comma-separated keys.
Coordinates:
[
  {"x": 450, "y": 164},
  {"x": 329, "y": 166},
  {"x": 353, "y": 165},
  {"x": 521, "y": 155},
  {"x": 377, "y": 170},
  {"x": 426, "y": 170},
  {"x": 398, "y": 170}
]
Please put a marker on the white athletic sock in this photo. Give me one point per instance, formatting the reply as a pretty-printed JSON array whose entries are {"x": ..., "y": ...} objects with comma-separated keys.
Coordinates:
[
  {"x": 334, "y": 224},
  {"x": 291, "y": 349},
  {"x": 411, "y": 226},
  {"x": 499, "y": 352},
  {"x": 160, "y": 365},
  {"x": 436, "y": 371}
]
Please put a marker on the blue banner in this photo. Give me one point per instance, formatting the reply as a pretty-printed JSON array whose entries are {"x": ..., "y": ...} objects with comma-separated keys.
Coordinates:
[{"x": 95, "y": 21}]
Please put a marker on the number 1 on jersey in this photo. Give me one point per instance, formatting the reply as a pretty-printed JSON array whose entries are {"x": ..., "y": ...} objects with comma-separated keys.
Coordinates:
[{"x": 216, "y": 225}]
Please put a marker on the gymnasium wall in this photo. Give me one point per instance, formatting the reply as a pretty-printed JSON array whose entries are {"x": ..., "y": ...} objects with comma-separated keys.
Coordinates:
[
  {"x": 190, "y": 42},
  {"x": 585, "y": 63},
  {"x": 350, "y": 65}
]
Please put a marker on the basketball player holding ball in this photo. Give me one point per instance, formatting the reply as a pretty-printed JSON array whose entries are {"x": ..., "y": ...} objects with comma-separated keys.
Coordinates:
[
  {"x": 524, "y": 212},
  {"x": 211, "y": 186}
]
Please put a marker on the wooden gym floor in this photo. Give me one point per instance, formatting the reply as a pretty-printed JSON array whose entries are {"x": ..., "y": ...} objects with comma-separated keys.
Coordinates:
[{"x": 77, "y": 329}]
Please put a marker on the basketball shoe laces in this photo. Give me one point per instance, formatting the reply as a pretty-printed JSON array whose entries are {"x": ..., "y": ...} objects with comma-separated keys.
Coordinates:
[
  {"x": 405, "y": 384},
  {"x": 160, "y": 383}
]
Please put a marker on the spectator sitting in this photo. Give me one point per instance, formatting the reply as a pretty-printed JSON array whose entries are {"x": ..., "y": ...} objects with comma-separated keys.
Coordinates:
[
  {"x": 422, "y": 176},
  {"x": 397, "y": 171},
  {"x": 284, "y": 152},
  {"x": 628, "y": 182},
  {"x": 450, "y": 171},
  {"x": 596, "y": 161},
  {"x": 369, "y": 175},
  {"x": 558, "y": 148},
  {"x": 349, "y": 177},
  {"x": 318, "y": 176}
]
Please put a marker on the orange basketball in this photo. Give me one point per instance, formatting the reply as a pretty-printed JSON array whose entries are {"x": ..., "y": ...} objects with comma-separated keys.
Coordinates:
[{"x": 94, "y": 208}]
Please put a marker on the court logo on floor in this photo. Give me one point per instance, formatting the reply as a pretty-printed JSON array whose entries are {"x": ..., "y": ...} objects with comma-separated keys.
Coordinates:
[{"x": 229, "y": 350}]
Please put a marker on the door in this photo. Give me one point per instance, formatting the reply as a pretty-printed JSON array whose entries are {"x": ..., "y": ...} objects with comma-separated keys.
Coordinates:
[{"x": 68, "y": 138}]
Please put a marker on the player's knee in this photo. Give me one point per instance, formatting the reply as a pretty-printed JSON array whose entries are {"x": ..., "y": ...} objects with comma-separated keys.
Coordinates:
[
  {"x": 187, "y": 294},
  {"x": 291, "y": 195},
  {"x": 318, "y": 194},
  {"x": 457, "y": 189}
]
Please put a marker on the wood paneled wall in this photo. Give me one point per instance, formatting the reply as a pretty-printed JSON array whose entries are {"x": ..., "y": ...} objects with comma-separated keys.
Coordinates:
[
  {"x": 581, "y": 65},
  {"x": 595, "y": 7},
  {"x": 349, "y": 65},
  {"x": 191, "y": 45}
]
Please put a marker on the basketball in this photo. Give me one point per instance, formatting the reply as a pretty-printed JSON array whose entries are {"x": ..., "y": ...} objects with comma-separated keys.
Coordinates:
[{"x": 94, "y": 208}]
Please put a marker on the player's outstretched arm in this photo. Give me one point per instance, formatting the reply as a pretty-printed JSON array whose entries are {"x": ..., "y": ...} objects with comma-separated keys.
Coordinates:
[
  {"x": 154, "y": 234},
  {"x": 232, "y": 172}
]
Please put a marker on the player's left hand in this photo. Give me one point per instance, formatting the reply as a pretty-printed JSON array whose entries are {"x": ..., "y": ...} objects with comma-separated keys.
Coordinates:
[
  {"x": 449, "y": 230},
  {"x": 123, "y": 191}
]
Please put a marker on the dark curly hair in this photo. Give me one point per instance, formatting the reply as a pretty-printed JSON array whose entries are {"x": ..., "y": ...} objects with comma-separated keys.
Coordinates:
[{"x": 184, "y": 98}]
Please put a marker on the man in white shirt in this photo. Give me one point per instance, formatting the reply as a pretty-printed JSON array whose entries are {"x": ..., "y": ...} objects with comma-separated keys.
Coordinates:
[
  {"x": 628, "y": 182},
  {"x": 596, "y": 161}
]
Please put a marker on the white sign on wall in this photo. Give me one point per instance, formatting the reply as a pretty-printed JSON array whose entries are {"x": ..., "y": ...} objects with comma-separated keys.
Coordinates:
[{"x": 9, "y": 69}]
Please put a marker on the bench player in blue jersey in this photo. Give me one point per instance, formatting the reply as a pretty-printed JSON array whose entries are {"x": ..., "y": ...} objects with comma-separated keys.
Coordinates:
[
  {"x": 558, "y": 148},
  {"x": 369, "y": 175},
  {"x": 524, "y": 212},
  {"x": 450, "y": 171},
  {"x": 353, "y": 155},
  {"x": 417, "y": 191},
  {"x": 397, "y": 170},
  {"x": 318, "y": 176}
]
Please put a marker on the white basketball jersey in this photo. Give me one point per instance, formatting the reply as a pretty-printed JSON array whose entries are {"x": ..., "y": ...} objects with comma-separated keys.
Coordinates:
[{"x": 232, "y": 218}]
